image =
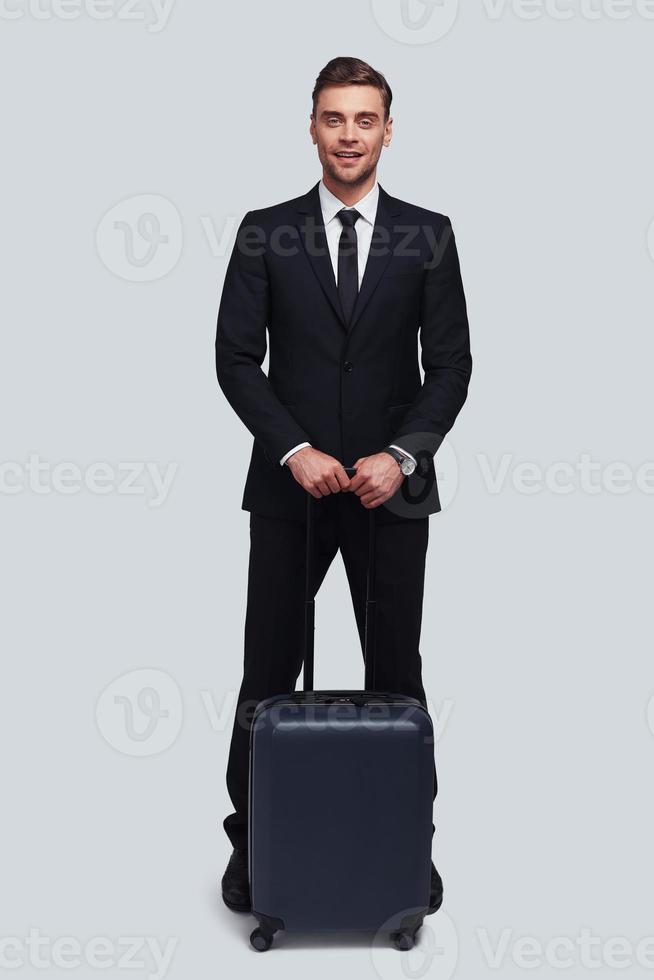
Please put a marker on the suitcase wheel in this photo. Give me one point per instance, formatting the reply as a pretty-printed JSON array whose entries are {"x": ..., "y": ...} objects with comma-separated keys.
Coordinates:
[
  {"x": 405, "y": 937},
  {"x": 402, "y": 939},
  {"x": 261, "y": 940}
]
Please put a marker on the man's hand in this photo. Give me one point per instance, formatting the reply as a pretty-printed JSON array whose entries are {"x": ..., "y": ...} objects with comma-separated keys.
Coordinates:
[
  {"x": 318, "y": 472},
  {"x": 376, "y": 479}
]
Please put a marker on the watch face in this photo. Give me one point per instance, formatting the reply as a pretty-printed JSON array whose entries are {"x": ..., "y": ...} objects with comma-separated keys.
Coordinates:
[{"x": 407, "y": 466}]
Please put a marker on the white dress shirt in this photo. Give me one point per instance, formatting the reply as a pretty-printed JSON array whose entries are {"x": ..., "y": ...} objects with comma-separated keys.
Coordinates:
[{"x": 330, "y": 205}]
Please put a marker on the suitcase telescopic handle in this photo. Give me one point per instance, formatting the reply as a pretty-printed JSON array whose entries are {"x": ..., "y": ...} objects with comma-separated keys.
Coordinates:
[{"x": 369, "y": 645}]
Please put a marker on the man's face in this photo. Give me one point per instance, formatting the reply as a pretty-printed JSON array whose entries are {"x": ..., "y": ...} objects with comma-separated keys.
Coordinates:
[{"x": 350, "y": 119}]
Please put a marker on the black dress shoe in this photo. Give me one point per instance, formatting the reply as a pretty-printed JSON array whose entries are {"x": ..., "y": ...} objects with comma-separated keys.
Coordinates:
[
  {"x": 235, "y": 883},
  {"x": 436, "y": 894}
]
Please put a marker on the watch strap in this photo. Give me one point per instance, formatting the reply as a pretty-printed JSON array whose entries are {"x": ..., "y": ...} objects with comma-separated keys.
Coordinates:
[{"x": 395, "y": 453}]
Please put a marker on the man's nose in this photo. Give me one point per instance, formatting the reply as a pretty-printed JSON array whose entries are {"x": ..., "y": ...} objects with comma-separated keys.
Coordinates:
[{"x": 350, "y": 135}]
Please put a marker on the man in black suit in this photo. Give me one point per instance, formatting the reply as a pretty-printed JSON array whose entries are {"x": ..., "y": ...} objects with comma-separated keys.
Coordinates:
[{"x": 344, "y": 277}]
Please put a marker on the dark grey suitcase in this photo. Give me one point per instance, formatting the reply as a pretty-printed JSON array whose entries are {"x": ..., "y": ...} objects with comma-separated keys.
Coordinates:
[{"x": 340, "y": 800}]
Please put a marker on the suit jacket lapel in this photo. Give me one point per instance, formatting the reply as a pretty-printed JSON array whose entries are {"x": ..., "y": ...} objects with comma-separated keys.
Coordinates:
[
  {"x": 314, "y": 240},
  {"x": 384, "y": 240}
]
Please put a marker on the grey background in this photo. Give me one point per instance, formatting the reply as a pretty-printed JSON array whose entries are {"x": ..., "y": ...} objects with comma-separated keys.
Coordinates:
[{"x": 534, "y": 136}]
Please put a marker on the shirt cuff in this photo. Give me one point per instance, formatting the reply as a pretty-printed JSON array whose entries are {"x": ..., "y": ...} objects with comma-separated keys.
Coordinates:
[
  {"x": 393, "y": 446},
  {"x": 300, "y": 445}
]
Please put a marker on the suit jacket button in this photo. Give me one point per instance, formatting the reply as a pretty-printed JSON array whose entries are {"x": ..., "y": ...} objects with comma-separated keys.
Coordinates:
[{"x": 348, "y": 366}]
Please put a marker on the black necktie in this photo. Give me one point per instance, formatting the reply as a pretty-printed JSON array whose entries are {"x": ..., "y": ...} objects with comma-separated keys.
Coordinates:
[{"x": 348, "y": 269}]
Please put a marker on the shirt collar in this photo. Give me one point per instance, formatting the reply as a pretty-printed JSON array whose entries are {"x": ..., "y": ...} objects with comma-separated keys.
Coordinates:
[{"x": 331, "y": 205}]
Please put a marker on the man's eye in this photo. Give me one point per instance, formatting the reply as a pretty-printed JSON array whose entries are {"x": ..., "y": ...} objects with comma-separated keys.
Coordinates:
[
  {"x": 367, "y": 122},
  {"x": 332, "y": 120}
]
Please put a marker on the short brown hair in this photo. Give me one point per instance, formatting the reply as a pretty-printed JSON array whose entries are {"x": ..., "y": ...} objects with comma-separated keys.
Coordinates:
[{"x": 352, "y": 71}]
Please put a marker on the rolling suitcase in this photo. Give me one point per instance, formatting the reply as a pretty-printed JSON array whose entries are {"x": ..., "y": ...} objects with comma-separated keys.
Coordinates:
[{"x": 340, "y": 800}]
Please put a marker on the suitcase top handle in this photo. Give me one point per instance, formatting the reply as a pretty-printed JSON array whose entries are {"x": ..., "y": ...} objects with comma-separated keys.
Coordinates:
[{"x": 369, "y": 647}]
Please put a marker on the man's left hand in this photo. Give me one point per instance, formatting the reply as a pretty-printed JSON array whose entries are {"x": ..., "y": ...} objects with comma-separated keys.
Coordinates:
[{"x": 376, "y": 479}]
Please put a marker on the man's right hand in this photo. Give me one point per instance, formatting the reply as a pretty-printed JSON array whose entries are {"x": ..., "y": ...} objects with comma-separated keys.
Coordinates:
[{"x": 318, "y": 472}]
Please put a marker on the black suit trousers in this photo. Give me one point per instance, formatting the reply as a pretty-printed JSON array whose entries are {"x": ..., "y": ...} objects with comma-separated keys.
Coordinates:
[{"x": 274, "y": 619}]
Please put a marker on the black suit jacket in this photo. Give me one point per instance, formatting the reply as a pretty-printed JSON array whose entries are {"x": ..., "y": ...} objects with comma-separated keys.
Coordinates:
[{"x": 348, "y": 389}]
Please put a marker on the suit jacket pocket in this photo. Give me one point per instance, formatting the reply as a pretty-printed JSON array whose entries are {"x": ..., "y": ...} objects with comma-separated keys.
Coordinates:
[{"x": 406, "y": 271}]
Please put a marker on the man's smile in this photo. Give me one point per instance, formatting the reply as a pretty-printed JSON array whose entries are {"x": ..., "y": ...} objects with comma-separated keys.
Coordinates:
[{"x": 348, "y": 154}]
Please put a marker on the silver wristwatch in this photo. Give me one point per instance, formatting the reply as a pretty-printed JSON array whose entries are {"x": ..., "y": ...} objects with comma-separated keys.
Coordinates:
[{"x": 405, "y": 462}]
